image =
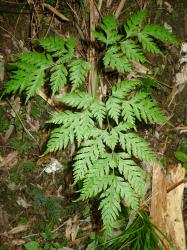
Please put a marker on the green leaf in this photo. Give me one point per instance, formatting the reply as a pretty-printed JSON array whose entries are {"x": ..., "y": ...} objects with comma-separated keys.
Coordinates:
[
  {"x": 77, "y": 100},
  {"x": 179, "y": 155},
  {"x": 32, "y": 245},
  {"x": 115, "y": 60},
  {"x": 147, "y": 43},
  {"x": 109, "y": 31},
  {"x": 132, "y": 51},
  {"x": 58, "y": 77},
  {"x": 133, "y": 24},
  {"x": 159, "y": 32},
  {"x": 78, "y": 72}
]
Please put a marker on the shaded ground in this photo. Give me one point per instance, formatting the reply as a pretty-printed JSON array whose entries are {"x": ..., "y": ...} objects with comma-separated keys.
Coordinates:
[{"x": 34, "y": 204}]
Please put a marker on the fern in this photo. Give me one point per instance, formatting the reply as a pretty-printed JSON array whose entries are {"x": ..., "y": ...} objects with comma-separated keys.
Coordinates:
[
  {"x": 78, "y": 72},
  {"x": 116, "y": 60},
  {"x": 109, "y": 34},
  {"x": 132, "y": 51},
  {"x": 103, "y": 130},
  {"x": 132, "y": 25}
]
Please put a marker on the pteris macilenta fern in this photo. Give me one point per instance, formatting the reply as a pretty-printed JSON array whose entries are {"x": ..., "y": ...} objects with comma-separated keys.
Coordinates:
[{"x": 108, "y": 145}]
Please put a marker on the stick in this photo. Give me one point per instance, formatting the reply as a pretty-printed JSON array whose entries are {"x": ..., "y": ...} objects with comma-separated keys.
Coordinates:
[
  {"x": 56, "y": 12},
  {"x": 120, "y": 7}
]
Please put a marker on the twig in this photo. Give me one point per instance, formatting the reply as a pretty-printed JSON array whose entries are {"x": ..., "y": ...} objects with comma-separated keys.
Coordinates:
[
  {"x": 26, "y": 130},
  {"x": 172, "y": 187},
  {"x": 100, "y": 5},
  {"x": 52, "y": 17},
  {"x": 120, "y": 7},
  {"x": 56, "y": 12}
]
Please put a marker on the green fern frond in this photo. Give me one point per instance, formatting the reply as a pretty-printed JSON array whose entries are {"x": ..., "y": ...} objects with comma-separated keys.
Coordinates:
[
  {"x": 136, "y": 146},
  {"x": 35, "y": 85},
  {"x": 115, "y": 60},
  {"x": 133, "y": 23},
  {"x": 19, "y": 81},
  {"x": 95, "y": 185},
  {"x": 75, "y": 126},
  {"x": 141, "y": 107},
  {"x": 110, "y": 208},
  {"x": 133, "y": 174},
  {"x": 147, "y": 43},
  {"x": 58, "y": 77},
  {"x": 78, "y": 72},
  {"x": 126, "y": 192},
  {"x": 86, "y": 156},
  {"x": 53, "y": 44},
  {"x": 110, "y": 139},
  {"x": 113, "y": 106},
  {"x": 109, "y": 34},
  {"x": 123, "y": 88},
  {"x": 98, "y": 111},
  {"x": 159, "y": 32},
  {"x": 132, "y": 51},
  {"x": 128, "y": 113},
  {"x": 36, "y": 58},
  {"x": 77, "y": 100}
]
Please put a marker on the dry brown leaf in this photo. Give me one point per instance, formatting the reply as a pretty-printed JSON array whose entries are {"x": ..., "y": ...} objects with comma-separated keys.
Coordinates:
[
  {"x": 19, "y": 229},
  {"x": 9, "y": 159},
  {"x": 18, "y": 242},
  {"x": 72, "y": 228}
]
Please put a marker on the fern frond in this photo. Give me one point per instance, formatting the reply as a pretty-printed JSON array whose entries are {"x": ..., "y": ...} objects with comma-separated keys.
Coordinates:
[
  {"x": 95, "y": 185},
  {"x": 111, "y": 138},
  {"x": 115, "y": 60},
  {"x": 86, "y": 156},
  {"x": 36, "y": 58},
  {"x": 126, "y": 192},
  {"x": 77, "y": 100},
  {"x": 109, "y": 34},
  {"x": 133, "y": 174},
  {"x": 137, "y": 146},
  {"x": 75, "y": 126},
  {"x": 128, "y": 113},
  {"x": 133, "y": 23},
  {"x": 37, "y": 82},
  {"x": 78, "y": 72},
  {"x": 98, "y": 111},
  {"x": 159, "y": 32},
  {"x": 110, "y": 208},
  {"x": 58, "y": 77},
  {"x": 144, "y": 108},
  {"x": 53, "y": 44},
  {"x": 113, "y": 106},
  {"x": 19, "y": 81},
  {"x": 131, "y": 50},
  {"x": 147, "y": 43},
  {"x": 123, "y": 88}
]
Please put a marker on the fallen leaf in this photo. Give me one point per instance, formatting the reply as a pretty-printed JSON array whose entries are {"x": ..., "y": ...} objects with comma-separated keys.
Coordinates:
[
  {"x": 21, "y": 202},
  {"x": 19, "y": 229},
  {"x": 7, "y": 161},
  {"x": 18, "y": 242}
]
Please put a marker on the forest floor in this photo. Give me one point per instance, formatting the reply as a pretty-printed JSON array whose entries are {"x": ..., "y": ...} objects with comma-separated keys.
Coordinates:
[{"x": 36, "y": 200}]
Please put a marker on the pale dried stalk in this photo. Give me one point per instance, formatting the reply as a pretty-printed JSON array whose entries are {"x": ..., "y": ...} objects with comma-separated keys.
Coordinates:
[
  {"x": 56, "y": 12},
  {"x": 91, "y": 49},
  {"x": 120, "y": 7}
]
